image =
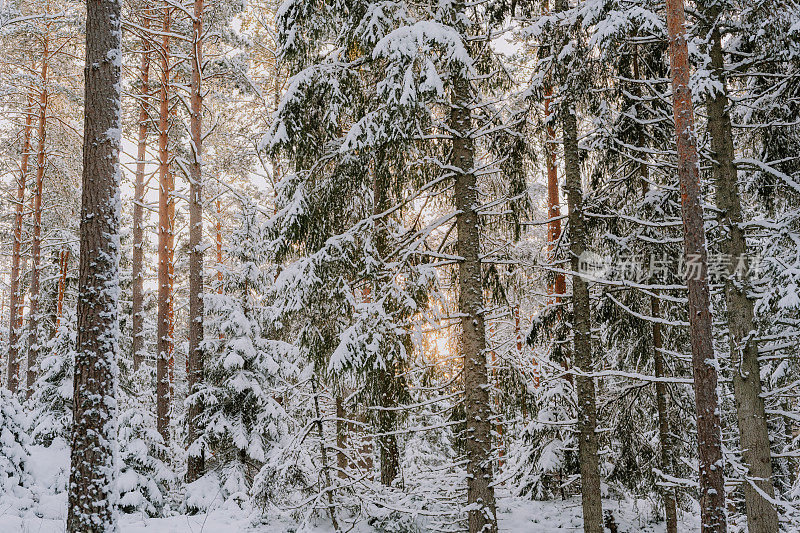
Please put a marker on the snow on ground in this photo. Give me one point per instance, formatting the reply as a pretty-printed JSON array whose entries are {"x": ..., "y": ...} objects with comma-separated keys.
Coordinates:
[{"x": 49, "y": 467}]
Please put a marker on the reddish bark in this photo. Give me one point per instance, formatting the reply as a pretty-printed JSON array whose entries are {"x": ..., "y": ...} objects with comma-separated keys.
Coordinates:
[
  {"x": 712, "y": 487},
  {"x": 15, "y": 303},
  {"x": 36, "y": 248}
]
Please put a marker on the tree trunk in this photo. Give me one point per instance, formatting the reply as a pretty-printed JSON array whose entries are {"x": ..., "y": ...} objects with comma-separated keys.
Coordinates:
[
  {"x": 386, "y": 376},
  {"x": 137, "y": 267},
  {"x": 195, "y": 362},
  {"x": 664, "y": 435},
  {"x": 712, "y": 483},
  {"x": 15, "y": 303},
  {"x": 559, "y": 286},
  {"x": 323, "y": 452},
  {"x": 762, "y": 516},
  {"x": 218, "y": 243},
  {"x": 587, "y": 407},
  {"x": 91, "y": 485},
  {"x": 341, "y": 436},
  {"x": 165, "y": 245},
  {"x": 63, "y": 263},
  {"x": 480, "y": 491},
  {"x": 669, "y": 495},
  {"x": 36, "y": 248}
]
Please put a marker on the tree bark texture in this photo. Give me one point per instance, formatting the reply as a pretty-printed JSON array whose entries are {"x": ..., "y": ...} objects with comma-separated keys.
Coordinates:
[
  {"x": 762, "y": 516},
  {"x": 137, "y": 266},
  {"x": 91, "y": 485},
  {"x": 166, "y": 207},
  {"x": 15, "y": 303},
  {"x": 712, "y": 483},
  {"x": 36, "y": 245},
  {"x": 582, "y": 342},
  {"x": 480, "y": 490},
  {"x": 195, "y": 356}
]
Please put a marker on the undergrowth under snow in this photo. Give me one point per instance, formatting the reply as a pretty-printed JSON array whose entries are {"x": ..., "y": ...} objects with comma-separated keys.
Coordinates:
[{"x": 47, "y": 512}]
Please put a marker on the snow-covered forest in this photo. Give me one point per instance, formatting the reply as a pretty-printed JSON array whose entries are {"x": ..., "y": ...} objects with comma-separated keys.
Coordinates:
[{"x": 400, "y": 266}]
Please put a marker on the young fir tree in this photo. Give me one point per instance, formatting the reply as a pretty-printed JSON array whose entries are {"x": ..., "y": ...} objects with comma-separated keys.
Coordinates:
[
  {"x": 15, "y": 477},
  {"x": 245, "y": 369},
  {"x": 144, "y": 479},
  {"x": 52, "y": 397}
]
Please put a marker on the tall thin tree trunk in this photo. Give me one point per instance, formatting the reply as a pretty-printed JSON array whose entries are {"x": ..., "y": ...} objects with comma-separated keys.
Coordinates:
[
  {"x": 664, "y": 435},
  {"x": 762, "y": 516},
  {"x": 165, "y": 244},
  {"x": 137, "y": 267},
  {"x": 15, "y": 303},
  {"x": 218, "y": 243},
  {"x": 669, "y": 495},
  {"x": 36, "y": 248},
  {"x": 341, "y": 435},
  {"x": 480, "y": 489},
  {"x": 195, "y": 361},
  {"x": 581, "y": 324},
  {"x": 386, "y": 376},
  {"x": 91, "y": 484},
  {"x": 559, "y": 286},
  {"x": 712, "y": 482},
  {"x": 323, "y": 452},
  {"x": 63, "y": 263}
]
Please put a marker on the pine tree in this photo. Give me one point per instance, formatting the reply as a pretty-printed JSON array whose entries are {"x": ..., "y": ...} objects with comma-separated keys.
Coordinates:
[
  {"x": 194, "y": 365},
  {"x": 712, "y": 489},
  {"x": 91, "y": 497}
]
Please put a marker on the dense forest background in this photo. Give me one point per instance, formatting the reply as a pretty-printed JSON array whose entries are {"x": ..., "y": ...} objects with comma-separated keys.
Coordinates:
[{"x": 400, "y": 266}]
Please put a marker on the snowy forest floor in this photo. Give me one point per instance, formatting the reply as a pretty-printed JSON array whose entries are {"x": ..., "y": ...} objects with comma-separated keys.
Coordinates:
[{"x": 47, "y": 514}]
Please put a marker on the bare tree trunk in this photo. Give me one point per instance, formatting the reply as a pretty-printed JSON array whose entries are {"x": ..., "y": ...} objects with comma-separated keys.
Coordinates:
[
  {"x": 762, "y": 516},
  {"x": 669, "y": 495},
  {"x": 36, "y": 248},
  {"x": 581, "y": 324},
  {"x": 323, "y": 452},
  {"x": 91, "y": 485},
  {"x": 386, "y": 377},
  {"x": 15, "y": 303},
  {"x": 480, "y": 490},
  {"x": 218, "y": 242},
  {"x": 664, "y": 435},
  {"x": 341, "y": 435},
  {"x": 195, "y": 361},
  {"x": 712, "y": 482},
  {"x": 165, "y": 244},
  {"x": 63, "y": 263},
  {"x": 137, "y": 266}
]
